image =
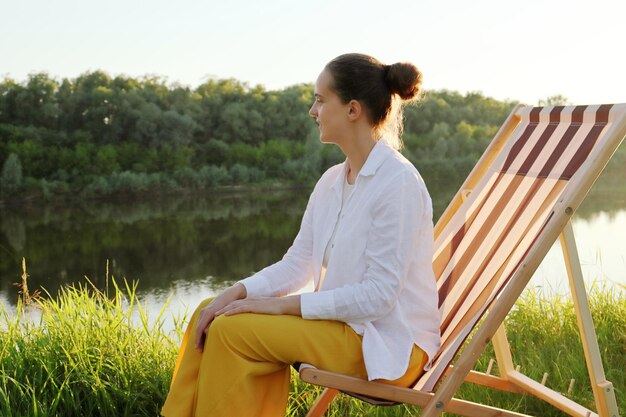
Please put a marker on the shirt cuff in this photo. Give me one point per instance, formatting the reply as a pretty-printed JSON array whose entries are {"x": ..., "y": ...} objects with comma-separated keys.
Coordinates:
[
  {"x": 256, "y": 286},
  {"x": 318, "y": 305}
]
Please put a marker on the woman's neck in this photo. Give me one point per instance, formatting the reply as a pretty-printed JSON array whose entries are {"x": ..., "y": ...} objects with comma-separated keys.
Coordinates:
[{"x": 356, "y": 153}]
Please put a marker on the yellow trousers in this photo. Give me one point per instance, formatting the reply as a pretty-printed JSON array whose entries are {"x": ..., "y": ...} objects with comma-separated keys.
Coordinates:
[{"x": 244, "y": 368}]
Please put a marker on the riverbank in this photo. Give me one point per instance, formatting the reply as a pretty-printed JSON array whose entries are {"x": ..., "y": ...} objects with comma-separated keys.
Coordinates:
[
  {"x": 94, "y": 353},
  {"x": 63, "y": 196}
]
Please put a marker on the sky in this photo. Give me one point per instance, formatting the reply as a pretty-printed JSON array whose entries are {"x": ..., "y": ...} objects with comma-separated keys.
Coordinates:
[{"x": 522, "y": 50}]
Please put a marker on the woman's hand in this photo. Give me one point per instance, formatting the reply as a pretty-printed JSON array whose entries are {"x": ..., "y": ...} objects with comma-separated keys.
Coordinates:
[
  {"x": 208, "y": 313},
  {"x": 267, "y": 305}
]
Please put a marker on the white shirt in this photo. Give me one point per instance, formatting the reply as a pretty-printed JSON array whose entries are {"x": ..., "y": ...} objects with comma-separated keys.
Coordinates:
[
  {"x": 379, "y": 279},
  {"x": 345, "y": 194}
]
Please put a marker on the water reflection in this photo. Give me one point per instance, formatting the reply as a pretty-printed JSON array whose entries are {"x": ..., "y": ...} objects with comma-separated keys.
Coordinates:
[
  {"x": 600, "y": 249},
  {"x": 156, "y": 242},
  {"x": 190, "y": 247}
]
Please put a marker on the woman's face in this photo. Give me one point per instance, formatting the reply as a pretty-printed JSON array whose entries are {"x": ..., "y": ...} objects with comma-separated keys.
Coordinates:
[{"x": 330, "y": 114}]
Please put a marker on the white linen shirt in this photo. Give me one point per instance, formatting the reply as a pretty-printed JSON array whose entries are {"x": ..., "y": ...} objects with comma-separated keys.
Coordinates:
[{"x": 379, "y": 278}]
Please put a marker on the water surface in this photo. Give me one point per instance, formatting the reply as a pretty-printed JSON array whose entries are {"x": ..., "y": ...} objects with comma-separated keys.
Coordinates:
[{"x": 191, "y": 247}]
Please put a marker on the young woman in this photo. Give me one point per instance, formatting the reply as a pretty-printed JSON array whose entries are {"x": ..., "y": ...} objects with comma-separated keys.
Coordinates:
[{"x": 365, "y": 245}]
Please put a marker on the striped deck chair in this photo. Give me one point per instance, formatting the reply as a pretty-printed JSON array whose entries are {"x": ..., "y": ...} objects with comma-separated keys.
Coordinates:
[{"x": 511, "y": 209}]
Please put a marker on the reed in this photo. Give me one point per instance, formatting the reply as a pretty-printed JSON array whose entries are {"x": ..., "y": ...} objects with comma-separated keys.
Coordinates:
[{"x": 84, "y": 352}]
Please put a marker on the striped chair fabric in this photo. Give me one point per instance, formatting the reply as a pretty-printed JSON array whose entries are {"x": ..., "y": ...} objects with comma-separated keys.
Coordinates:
[{"x": 488, "y": 237}]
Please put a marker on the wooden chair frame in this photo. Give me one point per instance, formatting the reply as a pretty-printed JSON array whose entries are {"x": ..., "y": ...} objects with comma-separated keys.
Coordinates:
[{"x": 492, "y": 328}]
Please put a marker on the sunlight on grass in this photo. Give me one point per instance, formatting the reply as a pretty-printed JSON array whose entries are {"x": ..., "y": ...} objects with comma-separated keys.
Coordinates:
[{"x": 94, "y": 353}]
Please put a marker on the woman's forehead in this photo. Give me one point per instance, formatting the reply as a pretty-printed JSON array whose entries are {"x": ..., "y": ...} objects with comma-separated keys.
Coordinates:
[{"x": 323, "y": 83}]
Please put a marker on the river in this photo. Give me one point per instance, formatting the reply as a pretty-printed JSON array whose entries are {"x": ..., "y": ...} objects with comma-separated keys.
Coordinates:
[{"x": 187, "y": 248}]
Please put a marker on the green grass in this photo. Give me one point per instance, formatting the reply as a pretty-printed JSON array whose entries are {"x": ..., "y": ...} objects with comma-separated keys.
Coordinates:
[
  {"x": 97, "y": 354},
  {"x": 88, "y": 355}
]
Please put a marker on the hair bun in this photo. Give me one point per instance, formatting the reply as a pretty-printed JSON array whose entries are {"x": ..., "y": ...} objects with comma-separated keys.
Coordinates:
[{"x": 403, "y": 79}]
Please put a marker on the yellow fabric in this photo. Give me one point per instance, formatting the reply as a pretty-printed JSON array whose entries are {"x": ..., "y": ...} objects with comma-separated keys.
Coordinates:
[{"x": 244, "y": 369}]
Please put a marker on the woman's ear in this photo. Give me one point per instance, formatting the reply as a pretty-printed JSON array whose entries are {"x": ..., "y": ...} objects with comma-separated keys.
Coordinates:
[{"x": 354, "y": 110}]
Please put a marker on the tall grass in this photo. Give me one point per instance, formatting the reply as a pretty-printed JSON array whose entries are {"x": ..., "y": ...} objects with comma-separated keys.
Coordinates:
[
  {"x": 544, "y": 337},
  {"x": 98, "y": 354},
  {"x": 88, "y": 355}
]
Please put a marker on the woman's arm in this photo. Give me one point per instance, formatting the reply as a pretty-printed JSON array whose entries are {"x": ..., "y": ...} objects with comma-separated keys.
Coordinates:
[
  {"x": 289, "y": 305},
  {"x": 399, "y": 225},
  {"x": 261, "y": 293},
  {"x": 233, "y": 301},
  {"x": 294, "y": 270}
]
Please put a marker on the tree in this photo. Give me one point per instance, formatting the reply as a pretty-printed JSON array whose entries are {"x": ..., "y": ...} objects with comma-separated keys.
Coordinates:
[
  {"x": 555, "y": 100},
  {"x": 94, "y": 126},
  {"x": 106, "y": 160},
  {"x": 11, "y": 178},
  {"x": 35, "y": 104}
]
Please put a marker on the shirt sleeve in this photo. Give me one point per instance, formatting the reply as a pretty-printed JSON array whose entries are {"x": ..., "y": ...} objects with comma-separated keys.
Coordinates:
[
  {"x": 392, "y": 244},
  {"x": 293, "y": 271}
]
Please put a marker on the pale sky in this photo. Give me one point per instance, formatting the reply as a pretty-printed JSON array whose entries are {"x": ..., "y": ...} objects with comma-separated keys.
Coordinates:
[{"x": 522, "y": 50}]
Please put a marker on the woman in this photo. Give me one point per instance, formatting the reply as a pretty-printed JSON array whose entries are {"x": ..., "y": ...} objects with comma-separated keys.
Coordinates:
[{"x": 365, "y": 245}]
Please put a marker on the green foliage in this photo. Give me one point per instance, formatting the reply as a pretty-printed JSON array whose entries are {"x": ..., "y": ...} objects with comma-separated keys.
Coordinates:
[
  {"x": 11, "y": 176},
  {"x": 85, "y": 132},
  {"x": 214, "y": 152},
  {"x": 239, "y": 174},
  {"x": 446, "y": 133},
  {"x": 213, "y": 176},
  {"x": 105, "y": 161},
  {"x": 556, "y": 100}
]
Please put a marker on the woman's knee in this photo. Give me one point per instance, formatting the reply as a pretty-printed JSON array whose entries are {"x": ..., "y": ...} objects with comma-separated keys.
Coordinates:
[
  {"x": 202, "y": 304},
  {"x": 238, "y": 328},
  {"x": 224, "y": 324},
  {"x": 225, "y": 330},
  {"x": 205, "y": 303}
]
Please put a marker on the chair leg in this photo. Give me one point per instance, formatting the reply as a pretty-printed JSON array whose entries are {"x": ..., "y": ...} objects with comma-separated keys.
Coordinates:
[
  {"x": 603, "y": 391},
  {"x": 323, "y": 401}
]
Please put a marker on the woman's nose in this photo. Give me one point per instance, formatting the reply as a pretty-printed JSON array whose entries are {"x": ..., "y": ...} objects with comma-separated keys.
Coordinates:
[{"x": 313, "y": 111}]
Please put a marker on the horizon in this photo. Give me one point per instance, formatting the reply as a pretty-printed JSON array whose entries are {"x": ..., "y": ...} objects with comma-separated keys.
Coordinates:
[
  {"x": 527, "y": 53},
  {"x": 173, "y": 83}
]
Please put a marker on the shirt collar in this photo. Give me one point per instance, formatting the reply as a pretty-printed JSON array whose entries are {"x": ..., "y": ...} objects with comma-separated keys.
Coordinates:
[
  {"x": 374, "y": 160},
  {"x": 376, "y": 157}
]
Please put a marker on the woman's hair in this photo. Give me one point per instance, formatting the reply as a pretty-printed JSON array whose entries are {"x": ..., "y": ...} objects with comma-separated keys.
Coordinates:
[{"x": 380, "y": 88}]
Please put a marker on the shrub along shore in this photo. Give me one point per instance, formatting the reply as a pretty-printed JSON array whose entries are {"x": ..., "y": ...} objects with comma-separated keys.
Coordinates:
[
  {"x": 94, "y": 353},
  {"x": 97, "y": 136}
]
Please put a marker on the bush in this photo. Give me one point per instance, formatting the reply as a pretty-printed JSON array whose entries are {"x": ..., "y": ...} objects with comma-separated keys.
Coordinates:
[
  {"x": 130, "y": 182},
  {"x": 188, "y": 178},
  {"x": 11, "y": 177},
  {"x": 99, "y": 186},
  {"x": 245, "y": 154},
  {"x": 213, "y": 176},
  {"x": 239, "y": 174},
  {"x": 214, "y": 152},
  {"x": 256, "y": 174},
  {"x": 51, "y": 189},
  {"x": 106, "y": 160}
]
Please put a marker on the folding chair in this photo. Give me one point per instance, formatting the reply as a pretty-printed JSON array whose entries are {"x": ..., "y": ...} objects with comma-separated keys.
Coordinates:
[{"x": 492, "y": 237}]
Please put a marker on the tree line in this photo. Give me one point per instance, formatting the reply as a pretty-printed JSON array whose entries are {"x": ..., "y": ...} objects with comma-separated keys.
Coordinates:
[{"x": 98, "y": 135}]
